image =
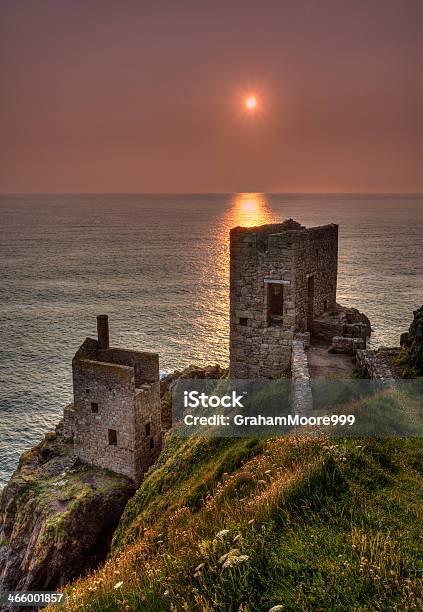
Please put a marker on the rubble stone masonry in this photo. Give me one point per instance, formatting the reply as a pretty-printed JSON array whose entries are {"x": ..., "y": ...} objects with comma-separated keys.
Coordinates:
[
  {"x": 281, "y": 277},
  {"x": 115, "y": 419},
  {"x": 302, "y": 398}
]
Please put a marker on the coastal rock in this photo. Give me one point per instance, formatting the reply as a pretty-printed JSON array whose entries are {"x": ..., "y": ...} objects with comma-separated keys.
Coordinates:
[
  {"x": 342, "y": 321},
  {"x": 412, "y": 341},
  {"x": 57, "y": 517}
]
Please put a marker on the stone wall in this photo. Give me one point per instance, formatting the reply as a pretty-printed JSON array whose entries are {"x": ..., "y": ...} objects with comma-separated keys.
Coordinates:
[
  {"x": 116, "y": 416},
  {"x": 327, "y": 326},
  {"x": 69, "y": 421},
  {"x": 257, "y": 349},
  {"x": 302, "y": 399},
  {"x": 148, "y": 440},
  {"x": 146, "y": 365},
  {"x": 112, "y": 389},
  {"x": 316, "y": 255},
  {"x": 304, "y": 337},
  {"x": 283, "y": 254},
  {"x": 375, "y": 367},
  {"x": 346, "y": 345}
]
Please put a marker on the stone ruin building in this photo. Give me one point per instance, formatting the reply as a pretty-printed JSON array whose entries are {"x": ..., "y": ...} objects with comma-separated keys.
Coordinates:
[
  {"x": 283, "y": 280},
  {"x": 115, "y": 420}
]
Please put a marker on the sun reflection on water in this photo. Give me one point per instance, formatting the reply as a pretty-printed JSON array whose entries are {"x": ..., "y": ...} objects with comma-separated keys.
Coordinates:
[{"x": 249, "y": 210}]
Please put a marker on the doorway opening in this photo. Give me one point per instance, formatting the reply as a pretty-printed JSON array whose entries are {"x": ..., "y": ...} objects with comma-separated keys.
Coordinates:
[{"x": 274, "y": 304}]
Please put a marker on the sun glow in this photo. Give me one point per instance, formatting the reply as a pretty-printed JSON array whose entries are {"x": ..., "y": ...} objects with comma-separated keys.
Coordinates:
[
  {"x": 249, "y": 210},
  {"x": 250, "y": 102}
]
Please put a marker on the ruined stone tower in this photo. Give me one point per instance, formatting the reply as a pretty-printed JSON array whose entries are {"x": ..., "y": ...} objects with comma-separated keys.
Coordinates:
[
  {"x": 282, "y": 276},
  {"x": 115, "y": 418}
]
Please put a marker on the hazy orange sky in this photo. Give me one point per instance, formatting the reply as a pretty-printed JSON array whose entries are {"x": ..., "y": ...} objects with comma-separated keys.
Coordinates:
[{"x": 137, "y": 95}]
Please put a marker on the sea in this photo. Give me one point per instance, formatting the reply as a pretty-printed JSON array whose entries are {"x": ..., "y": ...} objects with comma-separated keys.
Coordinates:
[{"x": 158, "y": 265}]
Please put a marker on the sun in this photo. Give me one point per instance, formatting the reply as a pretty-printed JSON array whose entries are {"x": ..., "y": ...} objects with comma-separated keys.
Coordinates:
[{"x": 250, "y": 102}]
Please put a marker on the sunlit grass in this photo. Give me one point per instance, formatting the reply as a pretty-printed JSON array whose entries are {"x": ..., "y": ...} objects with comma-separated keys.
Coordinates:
[{"x": 310, "y": 524}]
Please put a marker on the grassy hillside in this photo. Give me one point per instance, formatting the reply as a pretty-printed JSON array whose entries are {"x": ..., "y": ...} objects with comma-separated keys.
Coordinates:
[{"x": 251, "y": 524}]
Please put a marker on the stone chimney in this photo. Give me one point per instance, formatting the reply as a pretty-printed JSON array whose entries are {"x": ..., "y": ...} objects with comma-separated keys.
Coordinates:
[{"x": 103, "y": 331}]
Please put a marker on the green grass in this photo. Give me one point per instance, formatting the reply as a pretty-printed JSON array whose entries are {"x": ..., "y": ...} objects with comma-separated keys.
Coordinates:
[
  {"x": 186, "y": 472},
  {"x": 325, "y": 525}
]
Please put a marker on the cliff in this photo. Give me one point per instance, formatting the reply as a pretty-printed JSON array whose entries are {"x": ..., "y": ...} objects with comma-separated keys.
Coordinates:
[
  {"x": 57, "y": 516},
  {"x": 267, "y": 524},
  {"x": 412, "y": 345},
  {"x": 223, "y": 524},
  {"x": 242, "y": 524}
]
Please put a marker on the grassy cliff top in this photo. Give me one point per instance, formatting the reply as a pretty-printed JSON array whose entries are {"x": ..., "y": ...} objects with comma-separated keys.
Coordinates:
[{"x": 246, "y": 524}]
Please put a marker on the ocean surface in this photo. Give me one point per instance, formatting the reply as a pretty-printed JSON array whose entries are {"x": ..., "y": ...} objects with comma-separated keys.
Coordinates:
[{"x": 158, "y": 266}]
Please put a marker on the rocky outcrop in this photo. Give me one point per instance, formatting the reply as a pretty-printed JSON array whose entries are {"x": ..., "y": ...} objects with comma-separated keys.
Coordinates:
[
  {"x": 341, "y": 322},
  {"x": 412, "y": 342},
  {"x": 57, "y": 516}
]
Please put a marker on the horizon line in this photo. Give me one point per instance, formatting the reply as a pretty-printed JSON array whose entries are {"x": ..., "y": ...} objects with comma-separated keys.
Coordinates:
[{"x": 285, "y": 193}]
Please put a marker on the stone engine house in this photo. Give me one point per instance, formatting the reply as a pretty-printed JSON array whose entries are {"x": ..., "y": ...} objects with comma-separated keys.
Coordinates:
[
  {"x": 115, "y": 419},
  {"x": 282, "y": 276}
]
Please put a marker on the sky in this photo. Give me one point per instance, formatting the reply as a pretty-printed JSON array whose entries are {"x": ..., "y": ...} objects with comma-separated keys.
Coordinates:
[{"x": 147, "y": 96}]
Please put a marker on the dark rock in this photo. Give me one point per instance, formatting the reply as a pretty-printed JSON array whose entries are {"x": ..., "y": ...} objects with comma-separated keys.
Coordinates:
[
  {"x": 341, "y": 321},
  {"x": 413, "y": 341},
  {"x": 404, "y": 339},
  {"x": 57, "y": 517}
]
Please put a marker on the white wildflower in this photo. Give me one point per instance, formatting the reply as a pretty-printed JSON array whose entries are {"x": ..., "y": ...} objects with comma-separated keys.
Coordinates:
[
  {"x": 232, "y": 561},
  {"x": 232, "y": 553},
  {"x": 222, "y": 533}
]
